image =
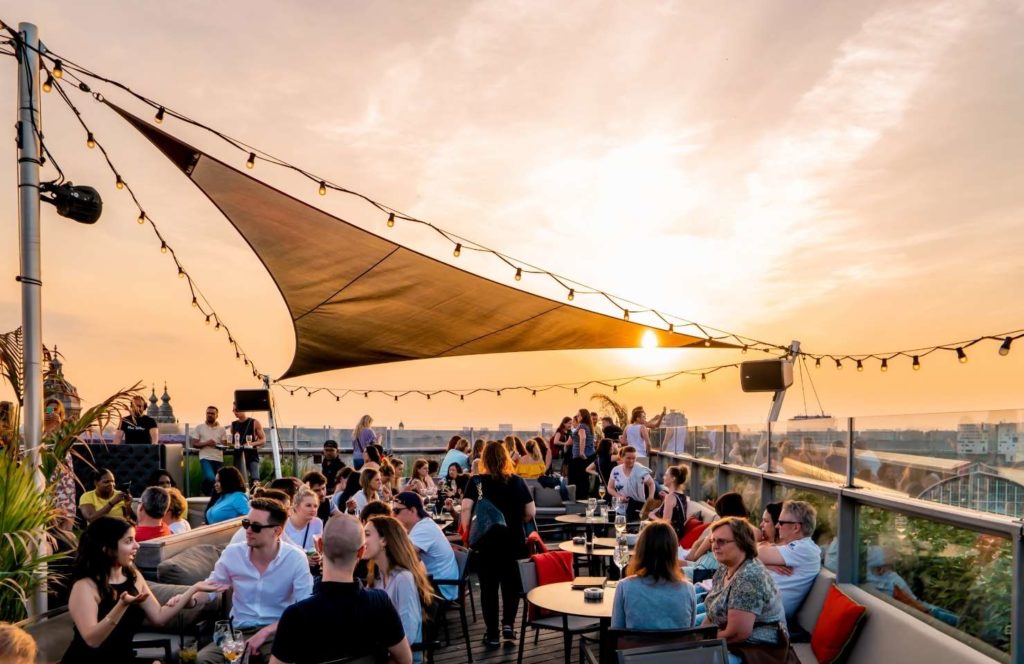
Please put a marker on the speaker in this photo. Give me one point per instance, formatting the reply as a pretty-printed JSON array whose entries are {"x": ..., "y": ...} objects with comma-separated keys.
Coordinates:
[
  {"x": 766, "y": 375},
  {"x": 249, "y": 401}
]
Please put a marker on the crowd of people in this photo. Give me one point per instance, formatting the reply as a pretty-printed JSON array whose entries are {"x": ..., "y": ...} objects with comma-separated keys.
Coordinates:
[{"x": 357, "y": 551}]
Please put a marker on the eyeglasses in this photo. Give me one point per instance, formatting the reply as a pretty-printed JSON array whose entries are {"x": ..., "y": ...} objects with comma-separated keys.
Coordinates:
[
  {"x": 256, "y": 527},
  {"x": 787, "y": 523},
  {"x": 714, "y": 541},
  {"x": 398, "y": 510}
]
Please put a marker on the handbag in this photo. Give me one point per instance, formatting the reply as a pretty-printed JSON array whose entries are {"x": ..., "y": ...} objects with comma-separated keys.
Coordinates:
[
  {"x": 486, "y": 517},
  {"x": 763, "y": 653}
]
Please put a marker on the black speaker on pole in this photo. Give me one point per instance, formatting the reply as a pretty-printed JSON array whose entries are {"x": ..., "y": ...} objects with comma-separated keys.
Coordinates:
[
  {"x": 766, "y": 375},
  {"x": 249, "y": 401}
]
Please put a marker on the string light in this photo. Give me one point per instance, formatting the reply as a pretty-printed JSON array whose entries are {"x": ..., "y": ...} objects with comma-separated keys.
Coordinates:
[
  {"x": 671, "y": 328},
  {"x": 458, "y": 250},
  {"x": 391, "y": 220},
  {"x": 159, "y": 117},
  {"x": 195, "y": 302},
  {"x": 615, "y": 388},
  {"x": 658, "y": 384},
  {"x": 744, "y": 349},
  {"x": 58, "y": 69},
  {"x": 839, "y": 365},
  {"x": 499, "y": 393},
  {"x": 163, "y": 249},
  {"x": 207, "y": 319},
  {"x": 575, "y": 391},
  {"x": 90, "y": 142},
  {"x": 707, "y": 343},
  {"x": 961, "y": 355},
  {"x": 572, "y": 294},
  {"x": 396, "y": 397},
  {"x": 916, "y": 364},
  {"x": 323, "y": 188},
  {"x": 181, "y": 273},
  {"x": 860, "y": 365},
  {"x": 885, "y": 365},
  {"x": 251, "y": 161},
  {"x": 119, "y": 183},
  {"x": 1004, "y": 349},
  {"x": 48, "y": 84},
  {"x": 142, "y": 218},
  {"x": 817, "y": 363},
  {"x": 625, "y": 314},
  {"x": 462, "y": 397},
  {"x": 534, "y": 392},
  {"x": 519, "y": 274},
  {"x": 703, "y": 378},
  {"x": 428, "y": 396}
]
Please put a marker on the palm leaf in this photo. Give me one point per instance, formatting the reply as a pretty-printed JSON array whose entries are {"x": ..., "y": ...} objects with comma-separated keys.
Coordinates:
[
  {"x": 613, "y": 406},
  {"x": 11, "y": 357}
]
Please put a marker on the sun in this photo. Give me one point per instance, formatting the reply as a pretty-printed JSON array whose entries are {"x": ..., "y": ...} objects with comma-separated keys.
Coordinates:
[{"x": 649, "y": 339}]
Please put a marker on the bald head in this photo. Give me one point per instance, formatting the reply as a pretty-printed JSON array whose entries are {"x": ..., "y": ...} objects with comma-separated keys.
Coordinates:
[{"x": 342, "y": 539}]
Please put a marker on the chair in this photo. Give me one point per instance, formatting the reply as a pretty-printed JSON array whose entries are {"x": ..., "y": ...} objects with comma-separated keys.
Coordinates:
[
  {"x": 626, "y": 639},
  {"x": 144, "y": 649},
  {"x": 432, "y": 615},
  {"x": 569, "y": 626},
  {"x": 697, "y": 652},
  {"x": 462, "y": 558}
]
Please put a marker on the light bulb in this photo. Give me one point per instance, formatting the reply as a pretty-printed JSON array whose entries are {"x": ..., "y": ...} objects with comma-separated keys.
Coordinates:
[
  {"x": 860, "y": 365},
  {"x": 366, "y": 395},
  {"x": 916, "y": 363},
  {"x": 625, "y": 314},
  {"x": 119, "y": 183},
  {"x": 428, "y": 397},
  {"x": 615, "y": 388},
  {"x": 744, "y": 349},
  {"x": 163, "y": 247},
  {"x": 534, "y": 392},
  {"x": 572, "y": 295},
  {"x": 671, "y": 327},
  {"x": 181, "y": 273},
  {"x": 396, "y": 397},
  {"x": 251, "y": 162},
  {"x": 90, "y": 142},
  {"x": 839, "y": 365},
  {"x": 703, "y": 378},
  {"x": 885, "y": 365},
  {"x": 961, "y": 355},
  {"x": 207, "y": 319},
  {"x": 195, "y": 303},
  {"x": 657, "y": 384},
  {"x": 499, "y": 393},
  {"x": 1004, "y": 350},
  {"x": 519, "y": 274},
  {"x": 391, "y": 220},
  {"x": 575, "y": 391},
  {"x": 159, "y": 117},
  {"x": 462, "y": 397},
  {"x": 458, "y": 250},
  {"x": 48, "y": 83},
  {"x": 58, "y": 69},
  {"x": 323, "y": 188},
  {"x": 817, "y": 363},
  {"x": 142, "y": 218},
  {"x": 707, "y": 343}
]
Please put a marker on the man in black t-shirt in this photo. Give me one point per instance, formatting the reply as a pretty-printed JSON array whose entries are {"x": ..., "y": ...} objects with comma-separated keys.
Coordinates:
[
  {"x": 331, "y": 465},
  {"x": 342, "y": 619},
  {"x": 137, "y": 428},
  {"x": 610, "y": 429}
]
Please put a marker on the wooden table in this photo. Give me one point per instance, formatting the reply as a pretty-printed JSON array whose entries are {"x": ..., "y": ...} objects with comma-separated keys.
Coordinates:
[
  {"x": 582, "y": 520},
  {"x": 561, "y": 598},
  {"x": 603, "y": 546}
]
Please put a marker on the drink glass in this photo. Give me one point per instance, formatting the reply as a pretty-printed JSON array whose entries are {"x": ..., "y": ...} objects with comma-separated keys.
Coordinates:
[
  {"x": 248, "y": 440},
  {"x": 238, "y": 441},
  {"x": 621, "y": 557},
  {"x": 601, "y": 491},
  {"x": 591, "y": 507},
  {"x": 221, "y": 632},
  {"x": 232, "y": 649},
  {"x": 620, "y": 523},
  {"x": 188, "y": 654}
]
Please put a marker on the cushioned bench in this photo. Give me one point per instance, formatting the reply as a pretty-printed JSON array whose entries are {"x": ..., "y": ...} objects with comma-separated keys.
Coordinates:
[
  {"x": 155, "y": 551},
  {"x": 549, "y": 502},
  {"x": 888, "y": 634}
]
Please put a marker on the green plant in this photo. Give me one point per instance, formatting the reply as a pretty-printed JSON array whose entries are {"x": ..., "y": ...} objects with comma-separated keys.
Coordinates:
[{"x": 609, "y": 404}]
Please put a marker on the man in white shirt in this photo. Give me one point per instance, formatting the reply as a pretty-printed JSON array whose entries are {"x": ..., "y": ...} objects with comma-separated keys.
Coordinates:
[
  {"x": 266, "y": 575},
  {"x": 206, "y": 437},
  {"x": 431, "y": 544},
  {"x": 794, "y": 562}
]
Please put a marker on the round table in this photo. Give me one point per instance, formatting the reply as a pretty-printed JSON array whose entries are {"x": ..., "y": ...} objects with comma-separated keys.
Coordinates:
[
  {"x": 582, "y": 520},
  {"x": 561, "y": 598},
  {"x": 605, "y": 547}
]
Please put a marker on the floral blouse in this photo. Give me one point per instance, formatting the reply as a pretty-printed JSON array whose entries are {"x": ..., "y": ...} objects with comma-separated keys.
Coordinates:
[{"x": 751, "y": 589}]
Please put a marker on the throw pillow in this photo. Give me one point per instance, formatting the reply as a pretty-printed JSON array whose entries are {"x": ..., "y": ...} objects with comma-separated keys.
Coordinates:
[
  {"x": 837, "y": 626},
  {"x": 691, "y": 531}
]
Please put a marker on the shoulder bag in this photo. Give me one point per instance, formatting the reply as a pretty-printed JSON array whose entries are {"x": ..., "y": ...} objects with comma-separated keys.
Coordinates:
[{"x": 486, "y": 516}]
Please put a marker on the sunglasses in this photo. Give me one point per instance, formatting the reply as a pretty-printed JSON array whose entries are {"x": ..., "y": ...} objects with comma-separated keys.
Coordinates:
[{"x": 256, "y": 527}]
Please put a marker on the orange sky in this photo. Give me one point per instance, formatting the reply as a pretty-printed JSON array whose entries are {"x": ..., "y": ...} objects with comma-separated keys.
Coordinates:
[{"x": 846, "y": 174}]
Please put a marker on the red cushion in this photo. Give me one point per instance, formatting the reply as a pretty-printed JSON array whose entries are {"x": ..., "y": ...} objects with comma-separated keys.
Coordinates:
[
  {"x": 691, "y": 531},
  {"x": 837, "y": 626}
]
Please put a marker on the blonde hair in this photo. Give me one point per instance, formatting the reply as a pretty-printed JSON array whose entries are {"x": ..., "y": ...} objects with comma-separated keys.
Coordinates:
[
  {"x": 496, "y": 462},
  {"x": 401, "y": 555},
  {"x": 303, "y": 493},
  {"x": 16, "y": 645},
  {"x": 364, "y": 423},
  {"x": 178, "y": 506}
]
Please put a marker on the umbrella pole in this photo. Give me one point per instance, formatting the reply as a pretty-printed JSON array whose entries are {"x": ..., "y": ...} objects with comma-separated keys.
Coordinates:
[{"x": 275, "y": 442}]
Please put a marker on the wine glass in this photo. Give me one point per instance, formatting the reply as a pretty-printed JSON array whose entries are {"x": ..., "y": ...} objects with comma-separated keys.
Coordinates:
[
  {"x": 601, "y": 491},
  {"x": 620, "y": 523},
  {"x": 591, "y": 507},
  {"x": 248, "y": 440},
  {"x": 621, "y": 558},
  {"x": 232, "y": 648}
]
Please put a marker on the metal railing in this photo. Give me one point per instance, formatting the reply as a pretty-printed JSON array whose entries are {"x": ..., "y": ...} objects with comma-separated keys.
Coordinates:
[{"x": 851, "y": 499}]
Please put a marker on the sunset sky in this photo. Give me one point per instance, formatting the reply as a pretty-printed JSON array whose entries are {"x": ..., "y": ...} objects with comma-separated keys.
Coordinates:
[{"x": 845, "y": 174}]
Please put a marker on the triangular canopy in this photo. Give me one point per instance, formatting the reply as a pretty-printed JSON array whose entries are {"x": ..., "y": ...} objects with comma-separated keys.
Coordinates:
[{"x": 357, "y": 299}]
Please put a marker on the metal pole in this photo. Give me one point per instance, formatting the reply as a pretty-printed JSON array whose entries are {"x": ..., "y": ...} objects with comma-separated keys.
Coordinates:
[
  {"x": 29, "y": 119},
  {"x": 275, "y": 443}
]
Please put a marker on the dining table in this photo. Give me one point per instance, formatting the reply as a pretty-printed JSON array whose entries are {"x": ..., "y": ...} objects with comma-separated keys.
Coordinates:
[{"x": 562, "y": 598}]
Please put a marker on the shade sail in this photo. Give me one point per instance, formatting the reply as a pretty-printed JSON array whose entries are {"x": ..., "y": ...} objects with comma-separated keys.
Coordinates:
[{"x": 358, "y": 299}]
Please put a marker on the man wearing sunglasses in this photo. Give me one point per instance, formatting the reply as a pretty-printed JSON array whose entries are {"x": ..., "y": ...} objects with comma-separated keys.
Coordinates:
[
  {"x": 794, "y": 560},
  {"x": 267, "y": 577}
]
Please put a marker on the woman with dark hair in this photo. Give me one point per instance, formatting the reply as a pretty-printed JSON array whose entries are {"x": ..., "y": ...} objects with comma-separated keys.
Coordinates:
[
  {"x": 673, "y": 510},
  {"x": 421, "y": 482},
  {"x": 109, "y": 598},
  {"x": 105, "y": 499},
  {"x": 160, "y": 477},
  {"x": 728, "y": 504},
  {"x": 371, "y": 485},
  {"x": 769, "y": 531},
  {"x": 603, "y": 463},
  {"x": 230, "y": 498},
  {"x": 499, "y": 547},
  {"x": 581, "y": 450},
  {"x": 655, "y": 594},
  {"x": 559, "y": 444}
]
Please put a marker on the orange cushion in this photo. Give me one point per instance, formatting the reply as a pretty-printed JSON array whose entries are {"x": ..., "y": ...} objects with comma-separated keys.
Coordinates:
[
  {"x": 837, "y": 626},
  {"x": 691, "y": 531}
]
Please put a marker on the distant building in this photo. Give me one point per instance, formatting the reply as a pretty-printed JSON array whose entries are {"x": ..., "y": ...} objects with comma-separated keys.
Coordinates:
[
  {"x": 1010, "y": 442},
  {"x": 166, "y": 422},
  {"x": 971, "y": 439},
  {"x": 56, "y": 386}
]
